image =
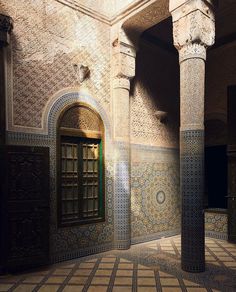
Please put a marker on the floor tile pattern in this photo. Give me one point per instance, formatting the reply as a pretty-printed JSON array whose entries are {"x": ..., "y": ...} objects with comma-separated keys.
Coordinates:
[{"x": 146, "y": 267}]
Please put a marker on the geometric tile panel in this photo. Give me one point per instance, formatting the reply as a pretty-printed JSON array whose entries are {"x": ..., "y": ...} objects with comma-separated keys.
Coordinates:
[
  {"x": 151, "y": 214},
  {"x": 216, "y": 224},
  {"x": 192, "y": 190}
]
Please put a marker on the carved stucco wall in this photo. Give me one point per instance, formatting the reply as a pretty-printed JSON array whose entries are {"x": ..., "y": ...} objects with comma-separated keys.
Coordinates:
[
  {"x": 155, "y": 88},
  {"x": 220, "y": 73},
  {"x": 48, "y": 39}
]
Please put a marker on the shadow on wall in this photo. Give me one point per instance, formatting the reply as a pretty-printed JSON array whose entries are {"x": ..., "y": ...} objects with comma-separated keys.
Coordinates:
[{"x": 155, "y": 90}]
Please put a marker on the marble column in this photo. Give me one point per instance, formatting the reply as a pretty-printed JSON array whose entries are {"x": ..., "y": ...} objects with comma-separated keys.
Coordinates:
[
  {"x": 6, "y": 25},
  {"x": 123, "y": 71},
  {"x": 193, "y": 30}
]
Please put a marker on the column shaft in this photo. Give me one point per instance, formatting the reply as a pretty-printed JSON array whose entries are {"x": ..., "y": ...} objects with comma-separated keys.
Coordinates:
[
  {"x": 121, "y": 100},
  {"x": 193, "y": 32},
  {"x": 192, "y": 75}
]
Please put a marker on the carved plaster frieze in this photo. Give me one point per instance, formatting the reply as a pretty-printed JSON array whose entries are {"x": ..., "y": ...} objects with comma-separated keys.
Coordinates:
[{"x": 6, "y": 26}]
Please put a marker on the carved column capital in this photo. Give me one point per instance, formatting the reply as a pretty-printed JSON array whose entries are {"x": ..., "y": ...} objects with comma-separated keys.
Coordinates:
[
  {"x": 121, "y": 82},
  {"x": 192, "y": 51},
  {"x": 193, "y": 27},
  {"x": 124, "y": 54},
  {"x": 6, "y": 26}
]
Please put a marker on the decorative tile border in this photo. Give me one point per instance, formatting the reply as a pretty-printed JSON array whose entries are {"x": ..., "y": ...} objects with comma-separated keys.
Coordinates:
[{"x": 154, "y": 236}]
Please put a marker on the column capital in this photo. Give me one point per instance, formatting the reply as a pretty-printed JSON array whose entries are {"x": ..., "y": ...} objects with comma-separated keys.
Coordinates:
[
  {"x": 6, "y": 26},
  {"x": 192, "y": 51},
  {"x": 121, "y": 82},
  {"x": 124, "y": 54},
  {"x": 193, "y": 27}
]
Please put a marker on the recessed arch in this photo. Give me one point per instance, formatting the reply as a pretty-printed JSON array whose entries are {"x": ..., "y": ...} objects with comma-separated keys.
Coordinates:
[
  {"x": 62, "y": 101},
  {"x": 80, "y": 166}
]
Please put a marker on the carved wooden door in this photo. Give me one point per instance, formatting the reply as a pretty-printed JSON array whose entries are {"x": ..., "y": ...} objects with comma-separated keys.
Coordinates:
[{"x": 27, "y": 188}]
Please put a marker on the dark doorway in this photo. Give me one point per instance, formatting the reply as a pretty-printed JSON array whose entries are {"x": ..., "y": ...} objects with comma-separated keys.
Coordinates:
[
  {"x": 25, "y": 207},
  {"x": 216, "y": 176}
]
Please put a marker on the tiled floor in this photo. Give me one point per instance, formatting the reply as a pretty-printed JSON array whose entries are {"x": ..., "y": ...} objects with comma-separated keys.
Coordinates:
[{"x": 147, "y": 267}]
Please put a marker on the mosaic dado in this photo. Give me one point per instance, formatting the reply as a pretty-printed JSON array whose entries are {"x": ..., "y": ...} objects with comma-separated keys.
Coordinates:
[
  {"x": 150, "y": 215},
  {"x": 216, "y": 225}
]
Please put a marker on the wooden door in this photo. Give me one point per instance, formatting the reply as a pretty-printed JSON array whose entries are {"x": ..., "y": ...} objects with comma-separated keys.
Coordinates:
[{"x": 27, "y": 189}]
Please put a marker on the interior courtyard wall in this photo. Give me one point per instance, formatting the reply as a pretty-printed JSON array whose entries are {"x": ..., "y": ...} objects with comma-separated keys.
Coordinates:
[
  {"x": 48, "y": 39},
  {"x": 155, "y": 198},
  {"x": 46, "y": 44}
]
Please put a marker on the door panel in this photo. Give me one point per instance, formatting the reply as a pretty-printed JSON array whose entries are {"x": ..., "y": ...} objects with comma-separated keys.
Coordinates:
[{"x": 27, "y": 185}]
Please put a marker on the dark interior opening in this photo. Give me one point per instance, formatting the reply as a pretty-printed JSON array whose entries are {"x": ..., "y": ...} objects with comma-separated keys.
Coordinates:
[{"x": 216, "y": 176}]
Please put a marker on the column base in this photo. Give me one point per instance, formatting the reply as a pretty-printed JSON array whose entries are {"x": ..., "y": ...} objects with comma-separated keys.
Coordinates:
[{"x": 192, "y": 267}]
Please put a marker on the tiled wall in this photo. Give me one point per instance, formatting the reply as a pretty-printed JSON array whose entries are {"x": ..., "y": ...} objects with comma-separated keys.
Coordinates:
[
  {"x": 155, "y": 198},
  {"x": 216, "y": 224}
]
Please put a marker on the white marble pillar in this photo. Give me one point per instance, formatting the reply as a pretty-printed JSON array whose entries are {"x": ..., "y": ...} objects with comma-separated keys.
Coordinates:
[
  {"x": 123, "y": 71},
  {"x": 194, "y": 31}
]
